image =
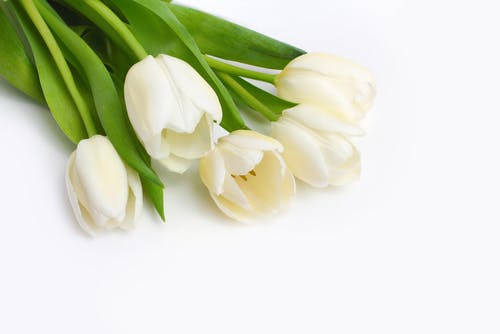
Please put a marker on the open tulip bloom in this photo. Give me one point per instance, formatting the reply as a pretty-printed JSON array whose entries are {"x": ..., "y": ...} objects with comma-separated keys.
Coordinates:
[{"x": 130, "y": 82}]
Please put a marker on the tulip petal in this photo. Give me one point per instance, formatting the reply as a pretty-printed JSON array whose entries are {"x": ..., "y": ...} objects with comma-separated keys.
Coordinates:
[
  {"x": 192, "y": 145},
  {"x": 319, "y": 119},
  {"x": 247, "y": 139},
  {"x": 102, "y": 176},
  {"x": 239, "y": 161},
  {"x": 135, "y": 200},
  {"x": 302, "y": 153},
  {"x": 81, "y": 214},
  {"x": 233, "y": 193},
  {"x": 213, "y": 172},
  {"x": 331, "y": 66},
  {"x": 343, "y": 160},
  {"x": 313, "y": 88},
  {"x": 176, "y": 164},
  {"x": 194, "y": 89}
]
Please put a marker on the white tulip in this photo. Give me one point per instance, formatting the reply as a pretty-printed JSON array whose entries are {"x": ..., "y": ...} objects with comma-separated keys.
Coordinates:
[
  {"x": 246, "y": 175},
  {"x": 338, "y": 85},
  {"x": 172, "y": 110},
  {"x": 104, "y": 192},
  {"x": 316, "y": 147}
]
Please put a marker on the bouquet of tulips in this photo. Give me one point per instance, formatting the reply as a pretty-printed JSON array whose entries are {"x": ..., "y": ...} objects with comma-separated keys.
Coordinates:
[{"x": 132, "y": 82}]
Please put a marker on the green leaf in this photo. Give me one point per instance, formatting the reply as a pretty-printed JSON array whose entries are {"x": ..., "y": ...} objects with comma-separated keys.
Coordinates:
[
  {"x": 269, "y": 105},
  {"x": 274, "y": 103},
  {"x": 159, "y": 31},
  {"x": 56, "y": 94},
  {"x": 107, "y": 102},
  {"x": 227, "y": 40},
  {"x": 15, "y": 64}
]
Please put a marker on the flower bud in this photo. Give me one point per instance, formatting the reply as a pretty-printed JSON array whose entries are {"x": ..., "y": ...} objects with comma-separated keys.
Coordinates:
[
  {"x": 246, "y": 175},
  {"x": 316, "y": 148},
  {"x": 338, "y": 85},
  {"x": 104, "y": 192},
  {"x": 172, "y": 110}
]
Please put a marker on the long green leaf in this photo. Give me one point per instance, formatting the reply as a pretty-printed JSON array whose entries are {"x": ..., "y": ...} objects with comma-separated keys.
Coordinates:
[
  {"x": 106, "y": 98},
  {"x": 56, "y": 94},
  {"x": 224, "y": 39},
  {"x": 15, "y": 64},
  {"x": 159, "y": 31}
]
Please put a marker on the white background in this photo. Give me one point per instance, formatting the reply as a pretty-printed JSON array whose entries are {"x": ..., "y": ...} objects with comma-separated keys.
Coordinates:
[{"x": 414, "y": 247}]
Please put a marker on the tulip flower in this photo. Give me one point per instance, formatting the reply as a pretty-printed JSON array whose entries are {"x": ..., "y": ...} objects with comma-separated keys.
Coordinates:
[
  {"x": 338, "y": 85},
  {"x": 172, "y": 110},
  {"x": 246, "y": 175},
  {"x": 316, "y": 147},
  {"x": 104, "y": 192}
]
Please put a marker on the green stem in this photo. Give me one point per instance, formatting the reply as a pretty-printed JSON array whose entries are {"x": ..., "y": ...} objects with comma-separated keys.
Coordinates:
[
  {"x": 247, "y": 97},
  {"x": 120, "y": 27},
  {"x": 242, "y": 72},
  {"x": 61, "y": 64}
]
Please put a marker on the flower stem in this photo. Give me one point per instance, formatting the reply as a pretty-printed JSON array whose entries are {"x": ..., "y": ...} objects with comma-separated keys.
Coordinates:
[
  {"x": 242, "y": 72},
  {"x": 61, "y": 64},
  {"x": 119, "y": 26},
  {"x": 247, "y": 97}
]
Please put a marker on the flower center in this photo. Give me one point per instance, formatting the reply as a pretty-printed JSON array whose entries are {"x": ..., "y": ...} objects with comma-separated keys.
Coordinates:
[{"x": 245, "y": 177}]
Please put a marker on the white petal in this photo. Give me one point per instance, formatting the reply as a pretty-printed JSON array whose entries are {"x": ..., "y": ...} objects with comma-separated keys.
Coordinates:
[
  {"x": 313, "y": 88},
  {"x": 252, "y": 140},
  {"x": 239, "y": 161},
  {"x": 233, "y": 193},
  {"x": 149, "y": 99},
  {"x": 197, "y": 95},
  {"x": 231, "y": 209},
  {"x": 192, "y": 145},
  {"x": 176, "y": 164},
  {"x": 343, "y": 160},
  {"x": 102, "y": 176},
  {"x": 332, "y": 66},
  {"x": 302, "y": 153},
  {"x": 80, "y": 213},
  {"x": 319, "y": 119},
  {"x": 135, "y": 200},
  {"x": 212, "y": 172}
]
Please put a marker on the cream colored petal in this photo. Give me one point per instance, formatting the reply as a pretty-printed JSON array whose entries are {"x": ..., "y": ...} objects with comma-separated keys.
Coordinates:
[
  {"x": 196, "y": 93},
  {"x": 263, "y": 187},
  {"x": 135, "y": 200},
  {"x": 318, "y": 118},
  {"x": 192, "y": 145},
  {"x": 288, "y": 187},
  {"x": 312, "y": 88},
  {"x": 332, "y": 66},
  {"x": 213, "y": 171},
  {"x": 81, "y": 215},
  {"x": 233, "y": 193},
  {"x": 239, "y": 161},
  {"x": 102, "y": 176},
  {"x": 231, "y": 209},
  {"x": 148, "y": 97},
  {"x": 176, "y": 164},
  {"x": 302, "y": 153},
  {"x": 252, "y": 140},
  {"x": 343, "y": 160}
]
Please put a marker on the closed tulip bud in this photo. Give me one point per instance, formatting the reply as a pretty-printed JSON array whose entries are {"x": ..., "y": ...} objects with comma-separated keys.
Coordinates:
[
  {"x": 316, "y": 147},
  {"x": 172, "y": 110},
  {"x": 338, "y": 85},
  {"x": 104, "y": 192},
  {"x": 246, "y": 175}
]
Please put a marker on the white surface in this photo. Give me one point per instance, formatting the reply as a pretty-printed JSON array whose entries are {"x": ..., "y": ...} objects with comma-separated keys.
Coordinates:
[{"x": 412, "y": 248}]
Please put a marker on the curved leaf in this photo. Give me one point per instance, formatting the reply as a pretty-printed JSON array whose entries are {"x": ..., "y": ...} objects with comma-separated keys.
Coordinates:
[
  {"x": 15, "y": 64},
  {"x": 56, "y": 94},
  {"x": 227, "y": 40}
]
